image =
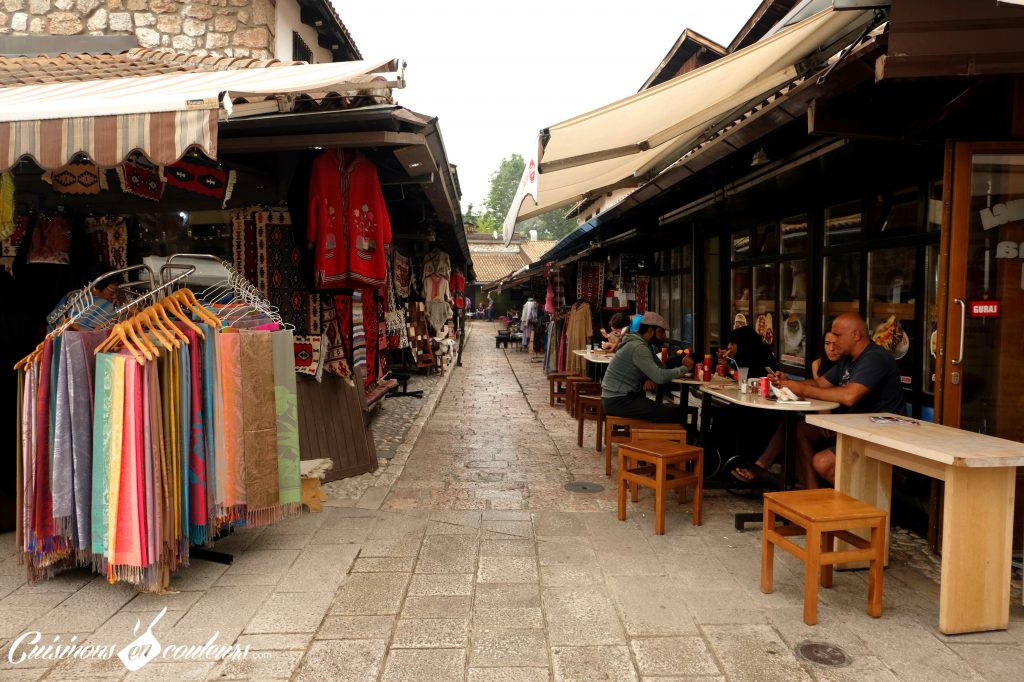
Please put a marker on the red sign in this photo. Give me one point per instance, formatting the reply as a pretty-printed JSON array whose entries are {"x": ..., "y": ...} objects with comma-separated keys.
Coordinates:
[
  {"x": 983, "y": 308},
  {"x": 533, "y": 170}
]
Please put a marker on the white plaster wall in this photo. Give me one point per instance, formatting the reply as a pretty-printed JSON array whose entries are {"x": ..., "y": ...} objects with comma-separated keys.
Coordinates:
[{"x": 288, "y": 20}]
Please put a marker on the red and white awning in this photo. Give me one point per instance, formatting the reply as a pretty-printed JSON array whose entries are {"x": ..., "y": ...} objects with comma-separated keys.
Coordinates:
[{"x": 162, "y": 116}]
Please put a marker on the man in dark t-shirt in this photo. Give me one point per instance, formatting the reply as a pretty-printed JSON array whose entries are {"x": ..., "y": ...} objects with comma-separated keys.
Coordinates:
[{"x": 865, "y": 380}]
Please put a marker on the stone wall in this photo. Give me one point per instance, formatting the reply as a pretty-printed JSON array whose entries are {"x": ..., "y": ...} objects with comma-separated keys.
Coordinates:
[{"x": 233, "y": 28}]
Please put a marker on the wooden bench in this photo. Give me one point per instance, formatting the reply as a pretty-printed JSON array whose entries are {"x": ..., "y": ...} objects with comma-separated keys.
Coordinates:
[
  {"x": 823, "y": 515},
  {"x": 588, "y": 408}
]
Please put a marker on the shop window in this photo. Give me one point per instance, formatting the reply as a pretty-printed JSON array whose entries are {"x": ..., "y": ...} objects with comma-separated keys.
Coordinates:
[
  {"x": 843, "y": 223},
  {"x": 767, "y": 240},
  {"x": 895, "y": 213},
  {"x": 712, "y": 297},
  {"x": 842, "y": 286},
  {"x": 793, "y": 329},
  {"x": 742, "y": 295},
  {"x": 766, "y": 296},
  {"x": 931, "y": 319},
  {"x": 934, "y": 222},
  {"x": 891, "y": 292},
  {"x": 741, "y": 245},
  {"x": 794, "y": 234}
]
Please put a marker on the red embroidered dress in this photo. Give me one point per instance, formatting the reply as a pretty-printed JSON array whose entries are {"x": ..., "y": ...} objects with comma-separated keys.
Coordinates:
[{"x": 348, "y": 225}]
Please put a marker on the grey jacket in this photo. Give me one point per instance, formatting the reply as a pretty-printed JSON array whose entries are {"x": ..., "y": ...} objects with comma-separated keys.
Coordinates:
[{"x": 633, "y": 362}]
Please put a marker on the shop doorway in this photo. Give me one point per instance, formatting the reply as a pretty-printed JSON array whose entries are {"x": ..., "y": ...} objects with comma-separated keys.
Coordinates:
[{"x": 979, "y": 368}]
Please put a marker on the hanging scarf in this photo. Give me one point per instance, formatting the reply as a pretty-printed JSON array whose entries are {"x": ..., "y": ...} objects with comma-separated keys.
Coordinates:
[
  {"x": 259, "y": 416},
  {"x": 126, "y": 560},
  {"x": 402, "y": 274},
  {"x": 197, "y": 511},
  {"x": 211, "y": 395},
  {"x": 7, "y": 224},
  {"x": 106, "y": 441},
  {"x": 108, "y": 237},
  {"x": 42, "y": 503},
  {"x": 358, "y": 335},
  {"x": 234, "y": 425},
  {"x": 335, "y": 359},
  {"x": 287, "y": 411}
]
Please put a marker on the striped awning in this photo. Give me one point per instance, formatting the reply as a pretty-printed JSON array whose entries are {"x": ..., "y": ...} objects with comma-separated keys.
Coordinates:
[{"x": 162, "y": 116}]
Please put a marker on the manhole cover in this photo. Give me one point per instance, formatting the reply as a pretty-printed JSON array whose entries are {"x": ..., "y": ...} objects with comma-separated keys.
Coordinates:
[
  {"x": 823, "y": 653},
  {"x": 583, "y": 487}
]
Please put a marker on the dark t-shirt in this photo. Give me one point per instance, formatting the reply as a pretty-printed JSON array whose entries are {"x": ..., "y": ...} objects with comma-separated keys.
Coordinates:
[{"x": 876, "y": 369}]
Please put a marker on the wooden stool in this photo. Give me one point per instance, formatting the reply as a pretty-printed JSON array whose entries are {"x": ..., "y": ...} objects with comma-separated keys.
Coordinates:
[
  {"x": 822, "y": 515},
  {"x": 657, "y": 458},
  {"x": 625, "y": 424},
  {"x": 588, "y": 408},
  {"x": 556, "y": 387},
  {"x": 570, "y": 392}
]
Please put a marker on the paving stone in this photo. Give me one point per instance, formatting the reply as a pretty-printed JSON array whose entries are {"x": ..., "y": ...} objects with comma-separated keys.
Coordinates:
[
  {"x": 224, "y": 606},
  {"x": 384, "y": 565},
  {"x": 448, "y": 554},
  {"x": 173, "y": 601},
  {"x": 370, "y": 594},
  {"x": 507, "y": 530},
  {"x": 273, "y": 665},
  {"x": 558, "y": 523},
  {"x": 409, "y": 665},
  {"x": 319, "y": 569},
  {"x": 753, "y": 652},
  {"x": 511, "y": 618},
  {"x": 437, "y": 607},
  {"x": 508, "y": 648},
  {"x": 356, "y": 627},
  {"x": 445, "y": 584},
  {"x": 684, "y": 656},
  {"x": 286, "y": 612},
  {"x": 580, "y": 617},
  {"x": 584, "y": 663},
  {"x": 276, "y": 642},
  {"x": 651, "y": 606},
  {"x": 400, "y": 547},
  {"x": 506, "y": 596},
  {"x": 342, "y": 661},
  {"x": 571, "y": 576},
  {"x": 431, "y": 633},
  {"x": 507, "y": 569},
  {"x": 507, "y": 548},
  {"x": 509, "y": 675},
  {"x": 87, "y": 609}
]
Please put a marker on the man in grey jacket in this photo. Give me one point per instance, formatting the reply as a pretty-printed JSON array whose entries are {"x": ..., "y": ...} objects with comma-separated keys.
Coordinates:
[{"x": 634, "y": 369}]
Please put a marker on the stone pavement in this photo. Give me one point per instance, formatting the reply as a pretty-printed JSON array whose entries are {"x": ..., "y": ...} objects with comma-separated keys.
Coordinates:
[{"x": 468, "y": 560}]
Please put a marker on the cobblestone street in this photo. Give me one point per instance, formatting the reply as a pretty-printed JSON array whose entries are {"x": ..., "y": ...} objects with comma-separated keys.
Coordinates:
[{"x": 464, "y": 558}]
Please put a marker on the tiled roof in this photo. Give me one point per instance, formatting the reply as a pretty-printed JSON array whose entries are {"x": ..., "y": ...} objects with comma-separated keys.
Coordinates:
[
  {"x": 139, "y": 61},
  {"x": 490, "y": 267},
  {"x": 534, "y": 250}
]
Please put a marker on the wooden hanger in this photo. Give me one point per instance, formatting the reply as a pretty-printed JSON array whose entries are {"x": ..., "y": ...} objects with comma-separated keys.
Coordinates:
[
  {"x": 160, "y": 312},
  {"x": 192, "y": 303},
  {"x": 152, "y": 316},
  {"x": 117, "y": 334},
  {"x": 172, "y": 306},
  {"x": 31, "y": 357}
]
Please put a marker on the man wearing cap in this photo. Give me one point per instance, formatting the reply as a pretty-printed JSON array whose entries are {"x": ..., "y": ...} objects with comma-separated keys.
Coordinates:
[{"x": 635, "y": 369}]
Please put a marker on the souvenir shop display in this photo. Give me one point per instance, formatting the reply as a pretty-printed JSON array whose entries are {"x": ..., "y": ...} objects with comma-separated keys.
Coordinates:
[{"x": 141, "y": 439}]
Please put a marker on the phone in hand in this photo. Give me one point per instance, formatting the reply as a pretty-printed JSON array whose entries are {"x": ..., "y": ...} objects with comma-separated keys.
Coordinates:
[{"x": 771, "y": 373}]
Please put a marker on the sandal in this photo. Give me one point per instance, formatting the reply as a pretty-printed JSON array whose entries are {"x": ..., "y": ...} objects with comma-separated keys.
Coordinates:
[{"x": 751, "y": 474}]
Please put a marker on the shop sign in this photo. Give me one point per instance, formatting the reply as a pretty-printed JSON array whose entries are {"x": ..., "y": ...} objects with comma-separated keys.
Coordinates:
[
  {"x": 983, "y": 308},
  {"x": 1000, "y": 214}
]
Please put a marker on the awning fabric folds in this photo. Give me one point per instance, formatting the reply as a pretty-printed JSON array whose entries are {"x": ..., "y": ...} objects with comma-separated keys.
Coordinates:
[
  {"x": 629, "y": 141},
  {"x": 161, "y": 116}
]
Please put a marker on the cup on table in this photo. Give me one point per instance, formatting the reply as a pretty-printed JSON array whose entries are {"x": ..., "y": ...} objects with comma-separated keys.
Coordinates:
[{"x": 743, "y": 372}]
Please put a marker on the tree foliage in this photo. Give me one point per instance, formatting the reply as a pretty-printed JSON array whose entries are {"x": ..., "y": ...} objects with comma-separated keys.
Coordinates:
[{"x": 503, "y": 184}]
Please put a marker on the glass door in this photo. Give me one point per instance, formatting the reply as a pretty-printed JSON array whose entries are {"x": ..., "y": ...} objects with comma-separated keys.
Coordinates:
[{"x": 982, "y": 380}]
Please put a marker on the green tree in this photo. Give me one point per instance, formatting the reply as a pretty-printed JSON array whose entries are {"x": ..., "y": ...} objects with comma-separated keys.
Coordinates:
[{"x": 503, "y": 185}]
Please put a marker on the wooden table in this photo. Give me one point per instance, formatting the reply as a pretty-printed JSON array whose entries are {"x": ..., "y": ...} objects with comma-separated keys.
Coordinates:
[
  {"x": 977, "y": 518},
  {"x": 598, "y": 361},
  {"x": 732, "y": 394}
]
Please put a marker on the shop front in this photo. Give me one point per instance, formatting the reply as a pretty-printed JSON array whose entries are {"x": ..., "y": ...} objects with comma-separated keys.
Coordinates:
[{"x": 234, "y": 226}]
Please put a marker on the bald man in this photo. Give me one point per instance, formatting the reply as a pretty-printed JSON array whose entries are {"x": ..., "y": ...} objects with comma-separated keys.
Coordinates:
[{"x": 866, "y": 379}]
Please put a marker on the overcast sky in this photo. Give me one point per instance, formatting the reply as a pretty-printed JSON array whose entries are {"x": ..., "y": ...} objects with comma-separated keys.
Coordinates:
[{"x": 495, "y": 74}]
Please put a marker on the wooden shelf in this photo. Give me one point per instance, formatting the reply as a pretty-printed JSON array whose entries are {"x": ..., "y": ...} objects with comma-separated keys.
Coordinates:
[
  {"x": 837, "y": 307},
  {"x": 902, "y": 311}
]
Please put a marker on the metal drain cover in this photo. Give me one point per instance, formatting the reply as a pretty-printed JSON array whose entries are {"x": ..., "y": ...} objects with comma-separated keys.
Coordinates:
[
  {"x": 823, "y": 653},
  {"x": 583, "y": 487}
]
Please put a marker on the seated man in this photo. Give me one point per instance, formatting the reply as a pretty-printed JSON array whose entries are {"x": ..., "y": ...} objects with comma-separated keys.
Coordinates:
[
  {"x": 866, "y": 379},
  {"x": 636, "y": 369}
]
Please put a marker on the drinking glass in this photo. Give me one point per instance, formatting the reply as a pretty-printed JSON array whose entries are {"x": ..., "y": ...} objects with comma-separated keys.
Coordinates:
[{"x": 743, "y": 371}]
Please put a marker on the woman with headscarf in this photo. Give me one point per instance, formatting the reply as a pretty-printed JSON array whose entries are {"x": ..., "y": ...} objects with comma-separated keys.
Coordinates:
[{"x": 747, "y": 349}]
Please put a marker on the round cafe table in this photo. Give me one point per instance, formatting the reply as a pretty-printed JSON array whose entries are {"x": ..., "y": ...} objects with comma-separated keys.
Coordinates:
[{"x": 730, "y": 393}]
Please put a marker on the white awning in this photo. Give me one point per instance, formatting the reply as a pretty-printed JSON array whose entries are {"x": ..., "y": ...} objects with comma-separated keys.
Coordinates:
[
  {"x": 161, "y": 115},
  {"x": 628, "y": 142}
]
